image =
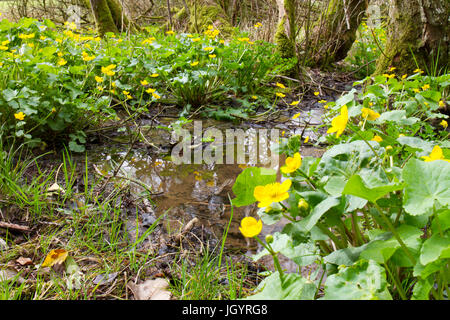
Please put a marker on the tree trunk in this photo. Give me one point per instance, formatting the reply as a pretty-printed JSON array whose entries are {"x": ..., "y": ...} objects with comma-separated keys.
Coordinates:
[
  {"x": 109, "y": 16},
  {"x": 418, "y": 32},
  {"x": 285, "y": 33},
  {"x": 335, "y": 32}
]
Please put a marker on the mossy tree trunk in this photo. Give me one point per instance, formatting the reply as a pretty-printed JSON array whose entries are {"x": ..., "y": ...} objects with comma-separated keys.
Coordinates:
[
  {"x": 208, "y": 12},
  {"x": 418, "y": 32},
  {"x": 286, "y": 31},
  {"x": 335, "y": 32},
  {"x": 109, "y": 16}
]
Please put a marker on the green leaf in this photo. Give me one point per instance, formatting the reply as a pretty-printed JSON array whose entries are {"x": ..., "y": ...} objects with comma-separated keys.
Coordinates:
[
  {"x": 346, "y": 256},
  {"x": 247, "y": 181},
  {"x": 422, "y": 289},
  {"x": 397, "y": 116},
  {"x": 416, "y": 143},
  {"x": 382, "y": 249},
  {"x": 356, "y": 186},
  {"x": 303, "y": 254},
  {"x": 433, "y": 247},
  {"x": 75, "y": 147},
  {"x": 364, "y": 280},
  {"x": 294, "y": 287},
  {"x": 427, "y": 184},
  {"x": 310, "y": 221}
]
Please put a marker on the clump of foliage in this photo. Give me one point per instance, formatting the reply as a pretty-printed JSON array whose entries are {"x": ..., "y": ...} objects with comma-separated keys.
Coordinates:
[
  {"x": 58, "y": 82},
  {"x": 374, "y": 210}
]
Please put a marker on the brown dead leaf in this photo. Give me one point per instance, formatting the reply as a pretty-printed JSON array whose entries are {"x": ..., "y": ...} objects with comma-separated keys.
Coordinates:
[
  {"x": 23, "y": 261},
  {"x": 151, "y": 290},
  {"x": 55, "y": 188}
]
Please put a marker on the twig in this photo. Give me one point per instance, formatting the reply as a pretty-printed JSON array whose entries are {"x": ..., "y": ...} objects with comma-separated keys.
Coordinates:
[{"x": 14, "y": 226}]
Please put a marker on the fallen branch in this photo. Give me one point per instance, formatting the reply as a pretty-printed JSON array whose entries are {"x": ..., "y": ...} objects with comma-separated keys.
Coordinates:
[{"x": 14, "y": 226}]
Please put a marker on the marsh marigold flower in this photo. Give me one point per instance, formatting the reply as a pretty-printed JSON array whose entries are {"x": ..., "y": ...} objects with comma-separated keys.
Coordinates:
[
  {"x": 444, "y": 124},
  {"x": 339, "y": 123},
  {"x": 377, "y": 139},
  {"x": 250, "y": 227},
  {"x": 436, "y": 154},
  {"x": 295, "y": 116},
  {"x": 292, "y": 163},
  {"x": 19, "y": 116},
  {"x": 369, "y": 114},
  {"x": 273, "y": 192}
]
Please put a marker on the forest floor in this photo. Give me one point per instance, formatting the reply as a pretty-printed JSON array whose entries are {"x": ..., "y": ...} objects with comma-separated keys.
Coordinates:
[{"x": 133, "y": 215}]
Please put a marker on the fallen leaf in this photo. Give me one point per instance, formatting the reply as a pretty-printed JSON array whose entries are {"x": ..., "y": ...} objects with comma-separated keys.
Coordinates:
[
  {"x": 24, "y": 261},
  {"x": 55, "y": 188},
  {"x": 8, "y": 275},
  {"x": 56, "y": 256},
  {"x": 151, "y": 290},
  {"x": 75, "y": 276},
  {"x": 103, "y": 279}
]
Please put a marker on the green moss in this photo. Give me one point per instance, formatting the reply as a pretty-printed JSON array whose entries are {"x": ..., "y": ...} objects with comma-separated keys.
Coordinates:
[{"x": 209, "y": 15}]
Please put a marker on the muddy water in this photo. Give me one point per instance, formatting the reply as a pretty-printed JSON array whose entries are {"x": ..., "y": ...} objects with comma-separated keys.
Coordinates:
[{"x": 186, "y": 191}]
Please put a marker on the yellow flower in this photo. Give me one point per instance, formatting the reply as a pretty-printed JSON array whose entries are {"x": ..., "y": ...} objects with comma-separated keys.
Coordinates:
[
  {"x": 258, "y": 25},
  {"x": 212, "y": 56},
  {"x": 294, "y": 103},
  {"x": 441, "y": 103},
  {"x": 306, "y": 139},
  {"x": 322, "y": 101},
  {"x": 109, "y": 70},
  {"x": 436, "y": 154},
  {"x": 425, "y": 87},
  {"x": 392, "y": 69},
  {"x": 404, "y": 76},
  {"x": 19, "y": 116},
  {"x": 194, "y": 63},
  {"x": 154, "y": 75},
  {"x": 250, "y": 227},
  {"x": 280, "y": 85},
  {"x": 401, "y": 135},
  {"x": 156, "y": 96},
  {"x": 62, "y": 62},
  {"x": 292, "y": 163},
  {"x": 100, "y": 88},
  {"x": 377, "y": 139},
  {"x": 53, "y": 110},
  {"x": 170, "y": 32},
  {"x": 444, "y": 124},
  {"x": 208, "y": 48},
  {"x": 254, "y": 97},
  {"x": 339, "y": 123},
  {"x": 196, "y": 40},
  {"x": 416, "y": 90},
  {"x": 418, "y": 71},
  {"x": 369, "y": 114},
  {"x": 279, "y": 94},
  {"x": 295, "y": 116},
  {"x": 87, "y": 57},
  {"x": 273, "y": 192},
  {"x": 98, "y": 79},
  {"x": 144, "y": 82},
  {"x": 316, "y": 93}
]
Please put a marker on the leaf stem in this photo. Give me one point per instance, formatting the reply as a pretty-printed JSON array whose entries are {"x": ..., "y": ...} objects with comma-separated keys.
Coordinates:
[{"x": 396, "y": 235}]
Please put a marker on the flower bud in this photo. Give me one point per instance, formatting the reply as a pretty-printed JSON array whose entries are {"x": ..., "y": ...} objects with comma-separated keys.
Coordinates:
[
  {"x": 269, "y": 239},
  {"x": 303, "y": 205}
]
